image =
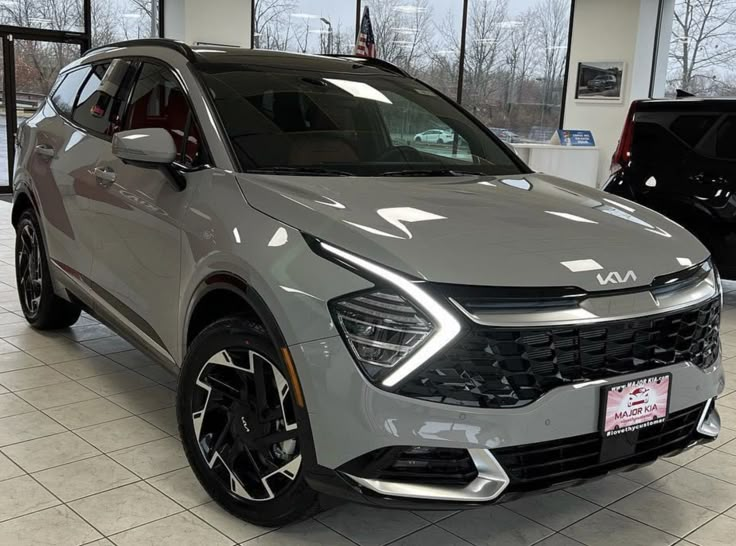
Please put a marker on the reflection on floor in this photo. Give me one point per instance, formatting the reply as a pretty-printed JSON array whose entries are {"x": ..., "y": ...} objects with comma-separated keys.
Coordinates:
[{"x": 89, "y": 449}]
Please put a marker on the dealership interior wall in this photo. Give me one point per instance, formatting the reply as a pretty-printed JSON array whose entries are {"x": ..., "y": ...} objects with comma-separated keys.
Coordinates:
[{"x": 600, "y": 30}]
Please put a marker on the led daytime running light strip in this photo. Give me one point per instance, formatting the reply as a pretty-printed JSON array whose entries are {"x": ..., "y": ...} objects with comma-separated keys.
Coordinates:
[{"x": 447, "y": 326}]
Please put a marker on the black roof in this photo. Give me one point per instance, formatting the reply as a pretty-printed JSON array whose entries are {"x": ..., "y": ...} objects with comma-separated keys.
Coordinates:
[
  {"x": 213, "y": 53},
  {"x": 688, "y": 104}
]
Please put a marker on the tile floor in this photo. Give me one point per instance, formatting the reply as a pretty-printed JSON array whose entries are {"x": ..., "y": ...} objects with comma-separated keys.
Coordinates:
[{"x": 89, "y": 455}]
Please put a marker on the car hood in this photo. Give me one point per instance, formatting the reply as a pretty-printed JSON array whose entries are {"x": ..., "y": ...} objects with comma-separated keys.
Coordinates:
[{"x": 528, "y": 230}]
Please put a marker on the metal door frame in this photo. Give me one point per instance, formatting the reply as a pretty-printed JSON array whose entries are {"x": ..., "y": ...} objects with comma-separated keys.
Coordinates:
[{"x": 8, "y": 35}]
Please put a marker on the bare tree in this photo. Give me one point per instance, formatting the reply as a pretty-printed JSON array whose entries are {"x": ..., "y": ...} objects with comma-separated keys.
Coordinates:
[
  {"x": 402, "y": 31},
  {"x": 552, "y": 21},
  {"x": 702, "y": 40},
  {"x": 147, "y": 11},
  {"x": 271, "y": 23},
  {"x": 486, "y": 33},
  {"x": 38, "y": 62},
  {"x": 106, "y": 17}
]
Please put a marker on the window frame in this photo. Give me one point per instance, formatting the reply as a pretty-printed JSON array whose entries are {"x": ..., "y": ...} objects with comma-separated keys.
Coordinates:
[
  {"x": 193, "y": 119},
  {"x": 138, "y": 60},
  {"x": 103, "y": 136},
  {"x": 60, "y": 79}
]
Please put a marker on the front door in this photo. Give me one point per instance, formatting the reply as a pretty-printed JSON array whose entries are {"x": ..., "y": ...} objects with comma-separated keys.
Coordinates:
[{"x": 137, "y": 264}]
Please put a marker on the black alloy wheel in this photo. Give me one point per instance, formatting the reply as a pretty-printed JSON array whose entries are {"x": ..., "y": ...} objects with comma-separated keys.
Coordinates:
[
  {"x": 30, "y": 277},
  {"x": 239, "y": 426},
  {"x": 42, "y": 308}
]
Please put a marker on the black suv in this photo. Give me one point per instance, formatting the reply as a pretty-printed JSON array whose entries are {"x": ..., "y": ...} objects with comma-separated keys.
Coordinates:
[{"x": 678, "y": 157}]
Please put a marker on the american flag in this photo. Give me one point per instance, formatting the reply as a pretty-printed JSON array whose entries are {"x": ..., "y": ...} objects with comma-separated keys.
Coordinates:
[{"x": 365, "y": 45}]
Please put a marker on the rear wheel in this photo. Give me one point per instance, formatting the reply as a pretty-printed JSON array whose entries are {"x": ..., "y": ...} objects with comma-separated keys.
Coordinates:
[
  {"x": 41, "y": 306},
  {"x": 239, "y": 428}
]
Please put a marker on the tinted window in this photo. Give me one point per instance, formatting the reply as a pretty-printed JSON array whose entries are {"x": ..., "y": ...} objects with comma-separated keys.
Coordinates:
[
  {"x": 361, "y": 124},
  {"x": 692, "y": 128},
  {"x": 158, "y": 101},
  {"x": 101, "y": 101},
  {"x": 726, "y": 139},
  {"x": 655, "y": 146},
  {"x": 93, "y": 82},
  {"x": 66, "y": 91}
]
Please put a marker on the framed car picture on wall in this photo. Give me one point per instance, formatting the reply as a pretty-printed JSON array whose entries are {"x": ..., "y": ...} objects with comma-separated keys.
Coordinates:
[{"x": 600, "y": 81}]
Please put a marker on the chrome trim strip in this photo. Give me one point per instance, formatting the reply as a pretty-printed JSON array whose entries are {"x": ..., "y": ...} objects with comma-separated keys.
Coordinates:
[
  {"x": 488, "y": 485},
  {"x": 602, "y": 308},
  {"x": 710, "y": 422},
  {"x": 108, "y": 308}
]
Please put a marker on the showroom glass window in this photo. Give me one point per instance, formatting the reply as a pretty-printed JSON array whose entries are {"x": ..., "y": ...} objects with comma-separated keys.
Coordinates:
[
  {"x": 422, "y": 37},
  {"x": 304, "y": 26},
  {"x": 116, "y": 20},
  {"x": 515, "y": 60},
  {"x": 43, "y": 14},
  {"x": 702, "y": 48}
]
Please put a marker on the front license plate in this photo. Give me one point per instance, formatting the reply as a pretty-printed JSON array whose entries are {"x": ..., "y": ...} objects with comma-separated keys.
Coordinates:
[{"x": 635, "y": 405}]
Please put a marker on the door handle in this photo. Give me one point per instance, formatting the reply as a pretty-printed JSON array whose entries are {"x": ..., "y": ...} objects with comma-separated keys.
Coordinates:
[
  {"x": 105, "y": 176},
  {"x": 45, "y": 150}
]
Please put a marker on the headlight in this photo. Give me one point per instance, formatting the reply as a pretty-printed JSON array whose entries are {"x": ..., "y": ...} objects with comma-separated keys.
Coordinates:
[
  {"x": 397, "y": 327},
  {"x": 381, "y": 328}
]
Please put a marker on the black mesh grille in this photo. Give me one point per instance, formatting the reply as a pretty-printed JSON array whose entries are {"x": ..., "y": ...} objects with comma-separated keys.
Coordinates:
[
  {"x": 540, "y": 465},
  {"x": 507, "y": 367}
]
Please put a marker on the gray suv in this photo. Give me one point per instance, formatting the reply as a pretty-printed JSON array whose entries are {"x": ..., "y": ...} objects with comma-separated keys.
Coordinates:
[{"x": 353, "y": 312}]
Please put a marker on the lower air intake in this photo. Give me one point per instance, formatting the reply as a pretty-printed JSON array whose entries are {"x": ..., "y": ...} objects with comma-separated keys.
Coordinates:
[{"x": 425, "y": 465}]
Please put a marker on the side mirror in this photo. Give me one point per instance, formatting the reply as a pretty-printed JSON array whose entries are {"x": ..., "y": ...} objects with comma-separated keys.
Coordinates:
[{"x": 154, "y": 146}]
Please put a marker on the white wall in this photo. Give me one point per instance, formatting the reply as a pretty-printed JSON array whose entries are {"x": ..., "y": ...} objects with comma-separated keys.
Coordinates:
[
  {"x": 605, "y": 30},
  {"x": 224, "y": 22}
]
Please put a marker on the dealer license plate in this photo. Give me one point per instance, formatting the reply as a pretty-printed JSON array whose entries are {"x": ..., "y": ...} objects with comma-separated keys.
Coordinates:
[{"x": 635, "y": 404}]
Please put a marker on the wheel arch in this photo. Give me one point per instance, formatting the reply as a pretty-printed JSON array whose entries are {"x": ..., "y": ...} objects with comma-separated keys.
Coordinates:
[
  {"x": 225, "y": 284},
  {"x": 221, "y": 294},
  {"x": 22, "y": 201}
]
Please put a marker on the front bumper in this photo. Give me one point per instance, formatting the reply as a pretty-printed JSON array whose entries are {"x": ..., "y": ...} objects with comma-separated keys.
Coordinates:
[{"x": 349, "y": 417}]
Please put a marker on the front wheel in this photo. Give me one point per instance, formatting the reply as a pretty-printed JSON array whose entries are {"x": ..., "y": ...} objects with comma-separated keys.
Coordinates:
[
  {"x": 42, "y": 308},
  {"x": 238, "y": 424}
]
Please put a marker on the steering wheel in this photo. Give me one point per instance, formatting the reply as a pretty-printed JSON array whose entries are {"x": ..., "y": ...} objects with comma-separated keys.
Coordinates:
[{"x": 401, "y": 153}]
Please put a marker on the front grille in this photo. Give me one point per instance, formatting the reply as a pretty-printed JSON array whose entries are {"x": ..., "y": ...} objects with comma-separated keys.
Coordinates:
[
  {"x": 541, "y": 465},
  {"x": 496, "y": 367}
]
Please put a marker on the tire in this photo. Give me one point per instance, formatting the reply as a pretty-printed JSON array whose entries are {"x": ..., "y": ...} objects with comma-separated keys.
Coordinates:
[
  {"x": 417, "y": 139},
  {"x": 229, "y": 366},
  {"x": 43, "y": 309},
  {"x": 440, "y": 141}
]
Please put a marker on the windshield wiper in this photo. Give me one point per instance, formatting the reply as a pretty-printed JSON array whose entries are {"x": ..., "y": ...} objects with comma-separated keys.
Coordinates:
[
  {"x": 299, "y": 171},
  {"x": 431, "y": 172}
]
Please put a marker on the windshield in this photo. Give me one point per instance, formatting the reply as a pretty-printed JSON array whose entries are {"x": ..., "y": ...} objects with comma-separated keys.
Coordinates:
[{"x": 304, "y": 122}]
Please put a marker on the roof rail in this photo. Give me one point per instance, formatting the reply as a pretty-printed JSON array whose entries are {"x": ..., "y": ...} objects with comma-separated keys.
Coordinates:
[
  {"x": 168, "y": 43},
  {"x": 371, "y": 61}
]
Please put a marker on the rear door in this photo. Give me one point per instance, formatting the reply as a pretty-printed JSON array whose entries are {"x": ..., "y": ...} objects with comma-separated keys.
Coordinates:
[{"x": 137, "y": 266}]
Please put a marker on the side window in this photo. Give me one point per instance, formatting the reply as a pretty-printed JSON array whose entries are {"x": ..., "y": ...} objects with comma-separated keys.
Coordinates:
[
  {"x": 158, "y": 101},
  {"x": 726, "y": 139},
  {"x": 66, "y": 90},
  {"x": 100, "y": 104}
]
